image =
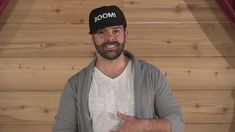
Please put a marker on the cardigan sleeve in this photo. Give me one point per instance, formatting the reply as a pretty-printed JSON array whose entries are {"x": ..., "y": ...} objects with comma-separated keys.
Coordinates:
[
  {"x": 66, "y": 118},
  {"x": 166, "y": 106}
]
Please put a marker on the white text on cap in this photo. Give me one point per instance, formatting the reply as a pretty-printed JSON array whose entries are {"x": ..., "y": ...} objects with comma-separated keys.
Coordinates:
[{"x": 105, "y": 16}]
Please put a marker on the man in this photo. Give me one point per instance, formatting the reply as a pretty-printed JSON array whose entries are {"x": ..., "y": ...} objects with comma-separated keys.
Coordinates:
[{"x": 117, "y": 92}]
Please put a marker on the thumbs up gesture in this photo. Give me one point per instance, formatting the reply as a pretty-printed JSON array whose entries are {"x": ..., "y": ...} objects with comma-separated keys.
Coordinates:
[{"x": 132, "y": 124}]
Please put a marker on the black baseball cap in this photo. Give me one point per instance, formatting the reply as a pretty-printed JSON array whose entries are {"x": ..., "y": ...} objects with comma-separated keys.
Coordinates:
[{"x": 106, "y": 16}]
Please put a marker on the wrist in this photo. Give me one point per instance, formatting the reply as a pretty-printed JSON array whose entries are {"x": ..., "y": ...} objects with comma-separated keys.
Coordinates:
[
  {"x": 159, "y": 125},
  {"x": 148, "y": 125}
]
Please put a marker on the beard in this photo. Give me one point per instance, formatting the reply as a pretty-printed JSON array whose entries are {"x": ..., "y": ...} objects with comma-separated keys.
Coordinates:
[{"x": 110, "y": 54}]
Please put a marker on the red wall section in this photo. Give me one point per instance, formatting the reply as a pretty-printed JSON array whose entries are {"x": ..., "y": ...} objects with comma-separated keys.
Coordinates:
[
  {"x": 3, "y": 4},
  {"x": 228, "y": 7}
]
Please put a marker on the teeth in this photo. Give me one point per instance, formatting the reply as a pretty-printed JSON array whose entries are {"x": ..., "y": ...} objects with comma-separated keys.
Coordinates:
[{"x": 110, "y": 46}]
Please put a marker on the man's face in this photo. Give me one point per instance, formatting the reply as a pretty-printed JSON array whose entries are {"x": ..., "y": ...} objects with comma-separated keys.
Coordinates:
[{"x": 110, "y": 41}]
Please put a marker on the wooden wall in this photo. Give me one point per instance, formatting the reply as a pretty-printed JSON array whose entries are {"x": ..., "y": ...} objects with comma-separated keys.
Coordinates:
[{"x": 44, "y": 42}]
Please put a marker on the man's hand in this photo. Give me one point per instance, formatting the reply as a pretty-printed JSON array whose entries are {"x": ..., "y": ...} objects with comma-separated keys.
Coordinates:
[{"x": 132, "y": 124}]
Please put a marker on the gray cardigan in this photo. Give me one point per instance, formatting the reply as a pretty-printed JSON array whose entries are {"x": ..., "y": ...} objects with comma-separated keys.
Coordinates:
[{"x": 152, "y": 95}]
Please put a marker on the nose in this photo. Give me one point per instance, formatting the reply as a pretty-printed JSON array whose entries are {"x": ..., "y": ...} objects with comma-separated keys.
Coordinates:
[{"x": 110, "y": 37}]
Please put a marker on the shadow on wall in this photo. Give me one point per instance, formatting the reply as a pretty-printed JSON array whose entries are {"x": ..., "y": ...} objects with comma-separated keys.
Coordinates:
[
  {"x": 3, "y": 21},
  {"x": 216, "y": 31},
  {"x": 221, "y": 31},
  {"x": 10, "y": 16}
]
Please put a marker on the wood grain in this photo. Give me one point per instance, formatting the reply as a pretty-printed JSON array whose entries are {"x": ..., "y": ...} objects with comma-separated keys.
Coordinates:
[
  {"x": 207, "y": 106},
  {"x": 28, "y": 107},
  {"x": 44, "y": 42},
  {"x": 137, "y": 11},
  {"x": 26, "y": 128},
  {"x": 209, "y": 127},
  {"x": 188, "y": 128},
  {"x": 162, "y": 11},
  {"x": 40, "y": 107},
  {"x": 47, "y": 40},
  {"x": 189, "y": 73},
  {"x": 51, "y": 11}
]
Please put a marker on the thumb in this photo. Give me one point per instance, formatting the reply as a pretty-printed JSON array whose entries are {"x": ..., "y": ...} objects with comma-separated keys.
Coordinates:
[{"x": 124, "y": 117}]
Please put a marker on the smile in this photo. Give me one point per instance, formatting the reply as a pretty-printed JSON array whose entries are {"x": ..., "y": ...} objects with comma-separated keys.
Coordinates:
[{"x": 109, "y": 46}]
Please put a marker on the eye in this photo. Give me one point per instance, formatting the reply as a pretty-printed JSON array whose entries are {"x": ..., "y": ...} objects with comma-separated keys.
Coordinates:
[
  {"x": 116, "y": 31},
  {"x": 100, "y": 32}
]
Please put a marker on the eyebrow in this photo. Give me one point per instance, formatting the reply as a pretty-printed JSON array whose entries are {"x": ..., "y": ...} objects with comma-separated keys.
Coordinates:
[
  {"x": 114, "y": 27},
  {"x": 117, "y": 27}
]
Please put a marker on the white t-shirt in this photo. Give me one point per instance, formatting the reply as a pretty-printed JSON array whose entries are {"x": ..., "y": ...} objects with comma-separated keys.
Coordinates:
[{"x": 108, "y": 96}]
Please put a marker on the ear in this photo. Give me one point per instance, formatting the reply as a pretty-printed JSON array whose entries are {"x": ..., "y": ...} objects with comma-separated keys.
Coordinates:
[
  {"x": 126, "y": 34},
  {"x": 92, "y": 39}
]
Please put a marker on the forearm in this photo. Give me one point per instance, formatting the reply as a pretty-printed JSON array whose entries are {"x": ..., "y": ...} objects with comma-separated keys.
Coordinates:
[{"x": 158, "y": 125}]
